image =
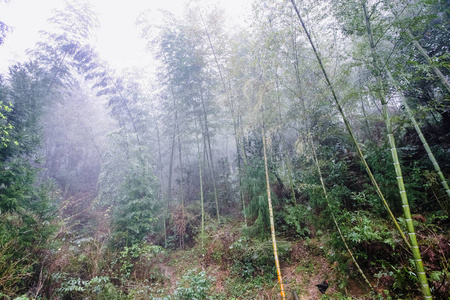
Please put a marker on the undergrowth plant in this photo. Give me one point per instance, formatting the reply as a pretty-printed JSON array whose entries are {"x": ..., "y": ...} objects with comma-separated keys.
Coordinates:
[{"x": 194, "y": 286}]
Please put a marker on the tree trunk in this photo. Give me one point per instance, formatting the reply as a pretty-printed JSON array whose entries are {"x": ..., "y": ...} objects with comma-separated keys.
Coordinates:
[
  {"x": 201, "y": 191},
  {"x": 211, "y": 165}
]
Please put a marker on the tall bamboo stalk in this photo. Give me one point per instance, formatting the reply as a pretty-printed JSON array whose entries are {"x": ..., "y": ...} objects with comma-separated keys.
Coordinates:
[
  {"x": 161, "y": 185},
  {"x": 201, "y": 190},
  {"x": 269, "y": 199},
  {"x": 347, "y": 125},
  {"x": 398, "y": 171}
]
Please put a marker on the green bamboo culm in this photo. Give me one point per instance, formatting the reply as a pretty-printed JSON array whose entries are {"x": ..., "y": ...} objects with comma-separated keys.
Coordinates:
[
  {"x": 349, "y": 129},
  {"x": 433, "y": 160},
  {"x": 272, "y": 223},
  {"x": 422, "y": 278}
]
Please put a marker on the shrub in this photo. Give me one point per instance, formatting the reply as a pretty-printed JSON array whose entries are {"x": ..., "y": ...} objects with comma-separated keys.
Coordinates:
[{"x": 193, "y": 286}]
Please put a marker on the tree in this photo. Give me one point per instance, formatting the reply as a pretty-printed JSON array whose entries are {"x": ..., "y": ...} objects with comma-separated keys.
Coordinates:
[{"x": 26, "y": 206}]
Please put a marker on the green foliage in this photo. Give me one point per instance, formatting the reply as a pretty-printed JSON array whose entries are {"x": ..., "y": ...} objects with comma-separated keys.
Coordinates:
[
  {"x": 135, "y": 254},
  {"x": 5, "y": 127},
  {"x": 379, "y": 158},
  {"x": 252, "y": 257},
  {"x": 296, "y": 216},
  {"x": 129, "y": 189},
  {"x": 256, "y": 192},
  {"x": 361, "y": 227},
  {"x": 26, "y": 208},
  {"x": 193, "y": 286},
  {"x": 13, "y": 270},
  {"x": 96, "y": 288},
  {"x": 402, "y": 276}
]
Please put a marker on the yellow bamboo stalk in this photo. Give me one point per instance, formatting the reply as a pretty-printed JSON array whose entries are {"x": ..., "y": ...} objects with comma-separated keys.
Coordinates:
[{"x": 272, "y": 225}]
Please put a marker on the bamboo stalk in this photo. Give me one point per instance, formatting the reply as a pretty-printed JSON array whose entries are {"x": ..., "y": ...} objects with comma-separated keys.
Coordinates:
[
  {"x": 398, "y": 171},
  {"x": 272, "y": 225},
  {"x": 201, "y": 191},
  {"x": 350, "y": 131}
]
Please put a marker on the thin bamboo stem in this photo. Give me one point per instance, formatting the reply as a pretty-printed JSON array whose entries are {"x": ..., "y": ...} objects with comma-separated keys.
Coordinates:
[{"x": 201, "y": 191}]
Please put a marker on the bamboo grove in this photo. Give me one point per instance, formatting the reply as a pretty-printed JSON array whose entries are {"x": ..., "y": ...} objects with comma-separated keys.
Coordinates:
[{"x": 314, "y": 137}]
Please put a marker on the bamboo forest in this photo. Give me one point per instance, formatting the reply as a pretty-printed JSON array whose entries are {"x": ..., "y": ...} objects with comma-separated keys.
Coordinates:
[{"x": 302, "y": 152}]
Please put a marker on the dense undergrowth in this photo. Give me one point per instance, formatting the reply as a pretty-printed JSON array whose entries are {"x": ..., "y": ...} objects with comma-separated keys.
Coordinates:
[{"x": 233, "y": 265}]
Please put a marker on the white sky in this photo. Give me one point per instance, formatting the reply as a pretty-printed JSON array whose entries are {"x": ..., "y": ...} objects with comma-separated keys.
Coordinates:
[{"x": 118, "y": 39}]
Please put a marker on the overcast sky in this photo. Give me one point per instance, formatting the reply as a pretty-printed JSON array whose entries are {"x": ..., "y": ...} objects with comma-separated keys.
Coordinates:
[{"x": 118, "y": 39}]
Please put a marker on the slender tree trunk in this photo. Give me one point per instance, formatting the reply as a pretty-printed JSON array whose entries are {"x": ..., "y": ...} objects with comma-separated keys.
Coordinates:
[
  {"x": 201, "y": 190},
  {"x": 211, "y": 165},
  {"x": 57, "y": 72},
  {"x": 363, "y": 107},
  {"x": 241, "y": 138},
  {"x": 350, "y": 131},
  {"x": 180, "y": 160},
  {"x": 161, "y": 183},
  {"x": 269, "y": 199},
  {"x": 398, "y": 171}
]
